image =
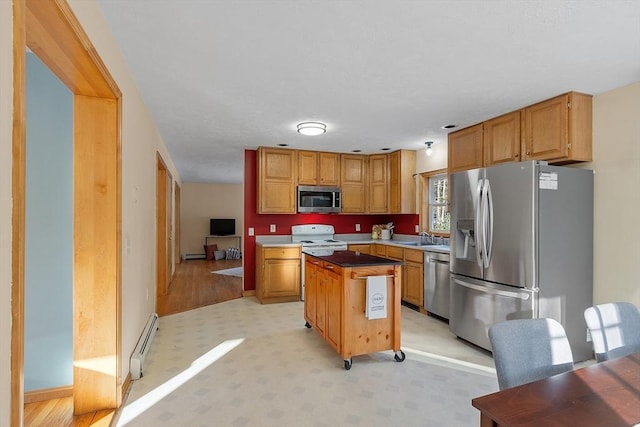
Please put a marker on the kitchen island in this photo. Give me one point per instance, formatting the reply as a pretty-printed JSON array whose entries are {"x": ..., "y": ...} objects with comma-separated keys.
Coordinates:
[{"x": 336, "y": 302}]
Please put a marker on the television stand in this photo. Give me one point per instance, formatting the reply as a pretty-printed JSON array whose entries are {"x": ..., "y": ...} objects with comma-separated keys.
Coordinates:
[{"x": 230, "y": 236}]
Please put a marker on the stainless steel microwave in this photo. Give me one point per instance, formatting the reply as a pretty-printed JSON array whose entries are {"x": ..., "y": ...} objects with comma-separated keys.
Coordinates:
[{"x": 317, "y": 198}]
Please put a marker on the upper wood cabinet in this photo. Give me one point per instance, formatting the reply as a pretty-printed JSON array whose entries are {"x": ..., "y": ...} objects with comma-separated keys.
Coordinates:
[
  {"x": 378, "y": 183},
  {"x": 559, "y": 130},
  {"x": 318, "y": 168},
  {"x": 502, "y": 139},
  {"x": 353, "y": 175},
  {"x": 307, "y": 167},
  {"x": 328, "y": 168},
  {"x": 402, "y": 183},
  {"x": 277, "y": 177},
  {"x": 465, "y": 149}
]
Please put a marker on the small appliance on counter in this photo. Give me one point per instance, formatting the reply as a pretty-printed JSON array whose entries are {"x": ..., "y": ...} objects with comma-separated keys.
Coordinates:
[{"x": 382, "y": 231}]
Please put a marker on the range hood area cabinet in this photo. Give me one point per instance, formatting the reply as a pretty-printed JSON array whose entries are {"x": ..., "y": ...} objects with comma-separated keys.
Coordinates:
[
  {"x": 376, "y": 183},
  {"x": 558, "y": 130},
  {"x": 318, "y": 168}
]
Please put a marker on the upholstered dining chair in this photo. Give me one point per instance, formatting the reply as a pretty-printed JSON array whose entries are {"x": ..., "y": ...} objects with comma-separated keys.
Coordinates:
[
  {"x": 614, "y": 329},
  {"x": 527, "y": 350}
]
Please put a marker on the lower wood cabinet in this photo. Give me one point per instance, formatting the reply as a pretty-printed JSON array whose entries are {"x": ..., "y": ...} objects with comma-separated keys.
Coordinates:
[
  {"x": 335, "y": 307},
  {"x": 413, "y": 277},
  {"x": 362, "y": 248},
  {"x": 323, "y": 300},
  {"x": 413, "y": 271},
  {"x": 277, "y": 274}
]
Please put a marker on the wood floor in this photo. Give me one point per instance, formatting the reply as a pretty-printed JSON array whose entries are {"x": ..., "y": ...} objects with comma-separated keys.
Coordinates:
[{"x": 193, "y": 286}]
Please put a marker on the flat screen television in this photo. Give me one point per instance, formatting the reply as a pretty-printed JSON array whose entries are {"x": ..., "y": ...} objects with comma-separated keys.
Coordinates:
[{"x": 222, "y": 227}]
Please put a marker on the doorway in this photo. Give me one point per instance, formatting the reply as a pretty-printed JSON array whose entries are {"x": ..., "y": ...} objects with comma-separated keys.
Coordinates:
[
  {"x": 163, "y": 227},
  {"x": 53, "y": 33}
]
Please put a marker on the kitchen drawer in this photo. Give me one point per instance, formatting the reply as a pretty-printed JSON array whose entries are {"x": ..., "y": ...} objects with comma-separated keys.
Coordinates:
[
  {"x": 394, "y": 253},
  {"x": 380, "y": 250},
  {"x": 414, "y": 255},
  {"x": 282, "y": 252},
  {"x": 332, "y": 267}
]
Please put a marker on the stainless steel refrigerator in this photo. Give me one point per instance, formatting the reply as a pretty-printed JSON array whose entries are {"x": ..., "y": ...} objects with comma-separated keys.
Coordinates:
[{"x": 521, "y": 247}]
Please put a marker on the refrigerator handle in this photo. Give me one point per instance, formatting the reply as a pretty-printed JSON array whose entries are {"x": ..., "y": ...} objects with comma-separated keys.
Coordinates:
[
  {"x": 488, "y": 219},
  {"x": 487, "y": 290},
  {"x": 478, "y": 224}
]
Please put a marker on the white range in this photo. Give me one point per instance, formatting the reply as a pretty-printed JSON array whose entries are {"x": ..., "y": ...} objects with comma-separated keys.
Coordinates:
[{"x": 317, "y": 239}]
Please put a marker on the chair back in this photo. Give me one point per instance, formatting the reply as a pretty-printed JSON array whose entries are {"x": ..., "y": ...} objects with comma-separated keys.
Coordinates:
[
  {"x": 527, "y": 350},
  {"x": 614, "y": 329}
]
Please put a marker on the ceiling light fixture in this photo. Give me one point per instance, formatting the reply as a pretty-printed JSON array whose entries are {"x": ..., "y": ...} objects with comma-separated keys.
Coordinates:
[
  {"x": 312, "y": 128},
  {"x": 429, "y": 150}
]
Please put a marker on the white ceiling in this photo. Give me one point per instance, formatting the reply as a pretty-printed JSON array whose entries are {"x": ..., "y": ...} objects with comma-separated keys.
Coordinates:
[{"x": 220, "y": 76}]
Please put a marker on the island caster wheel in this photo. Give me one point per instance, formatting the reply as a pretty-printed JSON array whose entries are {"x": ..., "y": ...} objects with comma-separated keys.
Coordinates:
[
  {"x": 307, "y": 325},
  {"x": 347, "y": 364},
  {"x": 400, "y": 356}
]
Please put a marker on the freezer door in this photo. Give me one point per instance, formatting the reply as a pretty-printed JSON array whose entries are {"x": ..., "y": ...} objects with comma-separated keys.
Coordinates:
[
  {"x": 465, "y": 203},
  {"x": 511, "y": 224},
  {"x": 476, "y": 305}
]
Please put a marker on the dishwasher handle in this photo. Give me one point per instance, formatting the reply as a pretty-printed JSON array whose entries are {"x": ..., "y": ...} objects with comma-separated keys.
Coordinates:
[
  {"x": 439, "y": 261},
  {"x": 488, "y": 290}
]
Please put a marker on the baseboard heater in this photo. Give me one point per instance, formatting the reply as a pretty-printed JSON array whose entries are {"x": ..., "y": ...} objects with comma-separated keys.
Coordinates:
[
  {"x": 186, "y": 257},
  {"x": 143, "y": 346}
]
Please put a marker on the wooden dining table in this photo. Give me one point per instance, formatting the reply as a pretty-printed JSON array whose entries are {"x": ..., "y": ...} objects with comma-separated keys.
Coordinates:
[{"x": 603, "y": 394}]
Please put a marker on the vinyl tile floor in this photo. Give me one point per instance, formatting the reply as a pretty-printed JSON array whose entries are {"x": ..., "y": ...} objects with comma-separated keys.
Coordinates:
[{"x": 240, "y": 363}]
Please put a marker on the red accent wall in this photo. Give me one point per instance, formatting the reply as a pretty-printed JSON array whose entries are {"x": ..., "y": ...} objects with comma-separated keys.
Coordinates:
[{"x": 404, "y": 224}]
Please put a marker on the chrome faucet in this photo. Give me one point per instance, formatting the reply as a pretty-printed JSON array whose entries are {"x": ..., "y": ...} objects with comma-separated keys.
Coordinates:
[{"x": 424, "y": 238}]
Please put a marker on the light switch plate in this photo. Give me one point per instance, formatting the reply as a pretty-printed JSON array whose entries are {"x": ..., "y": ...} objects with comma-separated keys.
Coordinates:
[
  {"x": 357, "y": 227},
  {"x": 252, "y": 231},
  {"x": 272, "y": 228}
]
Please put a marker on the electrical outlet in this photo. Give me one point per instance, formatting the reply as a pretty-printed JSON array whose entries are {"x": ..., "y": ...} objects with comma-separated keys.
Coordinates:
[
  {"x": 417, "y": 228},
  {"x": 272, "y": 228},
  {"x": 357, "y": 227},
  {"x": 252, "y": 231}
]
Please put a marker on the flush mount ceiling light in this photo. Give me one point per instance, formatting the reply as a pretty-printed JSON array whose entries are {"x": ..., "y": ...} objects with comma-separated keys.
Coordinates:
[
  {"x": 312, "y": 128},
  {"x": 429, "y": 150}
]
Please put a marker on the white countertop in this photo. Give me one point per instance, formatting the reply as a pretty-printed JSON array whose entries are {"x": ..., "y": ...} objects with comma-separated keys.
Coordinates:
[{"x": 357, "y": 239}]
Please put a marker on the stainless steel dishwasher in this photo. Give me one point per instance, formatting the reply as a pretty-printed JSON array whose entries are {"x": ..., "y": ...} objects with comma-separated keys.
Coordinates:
[{"x": 436, "y": 283}]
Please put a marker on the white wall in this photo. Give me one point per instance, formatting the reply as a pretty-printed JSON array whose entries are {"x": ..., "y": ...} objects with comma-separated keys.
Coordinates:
[
  {"x": 201, "y": 202},
  {"x": 140, "y": 141},
  {"x": 6, "y": 115},
  {"x": 616, "y": 154},
  {"x": 437, "y": 159}
]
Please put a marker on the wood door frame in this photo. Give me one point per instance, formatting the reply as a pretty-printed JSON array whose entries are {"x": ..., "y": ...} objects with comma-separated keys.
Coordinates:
[
  {"x": 50, "y": 29},
  {"x": 163, "y": 227},
  {"x": 177, "y": 256}
]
